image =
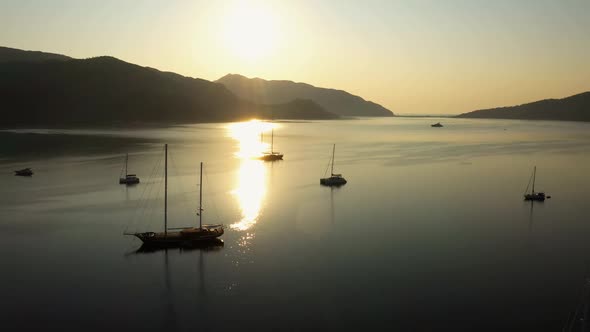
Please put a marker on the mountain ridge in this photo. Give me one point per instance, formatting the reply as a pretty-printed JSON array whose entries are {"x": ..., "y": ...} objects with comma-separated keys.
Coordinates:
[
  {"x": 40, "y": 90},
  {"x": 336, "y": 101},
  {"x": 572, "y": 108},
  {"x": 8, "y": 54}
]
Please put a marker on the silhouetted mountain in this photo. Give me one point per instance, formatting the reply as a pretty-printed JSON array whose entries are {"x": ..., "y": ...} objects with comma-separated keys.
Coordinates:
[
  {"x": 273, "y": 92},
  {"x": 107, "y": 91},
  {"x": 295, "y": 109},
  {"x": 574, "y": 108},
  {"x": 8, "y": 54}
]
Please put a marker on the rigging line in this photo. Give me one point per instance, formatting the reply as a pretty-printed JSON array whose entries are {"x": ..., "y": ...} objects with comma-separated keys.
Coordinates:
[
  {"x": 328, "y": 166},
  {"x": 149, "y": 186},
  {"x": 133, "y": 220},
  {"x": 149, "y": 208},
  {"x": 144, "y": 201},
  {"x": 122, "y": 171},
  {"x": 216, "y": 211},
  {"x": 152, "y": 207},
  {"x": 184, "y": 199},
  {"x": 156, "y": 205},
  {"x": 528, "y": 185}
]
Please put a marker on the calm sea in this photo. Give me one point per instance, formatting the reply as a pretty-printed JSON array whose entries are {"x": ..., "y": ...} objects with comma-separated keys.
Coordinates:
[{"x": 431, "y": 232}]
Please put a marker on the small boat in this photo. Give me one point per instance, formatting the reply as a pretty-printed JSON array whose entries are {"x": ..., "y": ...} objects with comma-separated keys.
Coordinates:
[
  {"x": 534, "y": 196},
  {"x": 129, "y": 178},
  {"x": 335, "y": 179},
  {"x": 182, "y": 236},
  {"x": 24, "y": 172},
  {"x": 271, "y": 156},
  {"x": 436, "y": 125}
]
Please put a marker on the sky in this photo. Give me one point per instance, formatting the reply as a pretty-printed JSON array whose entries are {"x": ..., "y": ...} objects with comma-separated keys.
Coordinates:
[{"x": 413, "y": 57}]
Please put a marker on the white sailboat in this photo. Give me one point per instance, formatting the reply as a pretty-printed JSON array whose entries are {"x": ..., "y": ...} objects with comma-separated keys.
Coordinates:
[{"x": 334, "y": 179}]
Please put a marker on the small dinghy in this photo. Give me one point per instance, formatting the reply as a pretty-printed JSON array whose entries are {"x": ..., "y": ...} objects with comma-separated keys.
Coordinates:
[{"x": 24, "y": 172}]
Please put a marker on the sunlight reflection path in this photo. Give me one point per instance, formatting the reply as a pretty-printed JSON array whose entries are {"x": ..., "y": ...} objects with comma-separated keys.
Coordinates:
[
  {"x": 252, "y": 180},
  {"x": 250, "y": 192}
]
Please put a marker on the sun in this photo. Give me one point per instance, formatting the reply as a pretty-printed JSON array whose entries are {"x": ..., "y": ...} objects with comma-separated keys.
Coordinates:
[{"x": 251, "y": 32}]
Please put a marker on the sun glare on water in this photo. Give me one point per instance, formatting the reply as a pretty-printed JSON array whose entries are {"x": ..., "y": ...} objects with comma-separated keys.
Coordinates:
[
  {"x": 251, "y": 177},
  {"x": 250, "y": 136},
  {"x": 251, "y": 32}
]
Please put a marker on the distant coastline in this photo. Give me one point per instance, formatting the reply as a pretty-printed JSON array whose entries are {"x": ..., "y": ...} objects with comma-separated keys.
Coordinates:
[{"x": 573, "y": 108}]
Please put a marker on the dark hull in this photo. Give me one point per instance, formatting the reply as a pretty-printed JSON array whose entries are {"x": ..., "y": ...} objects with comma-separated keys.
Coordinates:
[
  {"x": 24, "y": 172},
  {"x": 540, "y": 197},
  {"x": 180, "y": 239},
  {"x": 128, "y": 181},
  {"x": 331, "y": 182},
  {"x": 271, "y": 157}
]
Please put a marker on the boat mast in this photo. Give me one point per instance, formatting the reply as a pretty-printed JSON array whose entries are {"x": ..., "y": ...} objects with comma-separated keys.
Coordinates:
[
  {"x": 272, "y": 138},
  {"x": 201, "y": 198},
  {"x": 333, "y": 152},
  {"x": 534, "y": 176},
  {"x": 165, "y": 190},
  {"x": 126, "y": 160}
]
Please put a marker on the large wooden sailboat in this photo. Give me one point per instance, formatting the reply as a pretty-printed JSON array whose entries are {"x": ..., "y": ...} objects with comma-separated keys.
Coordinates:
[
  {"x": 129, "y": 178},
  {"x": 534, "y": 196},
  {"x": 182, "y": 236},
  {"x": 271, "y": 155},
  {"x": 334, "y": 179}
]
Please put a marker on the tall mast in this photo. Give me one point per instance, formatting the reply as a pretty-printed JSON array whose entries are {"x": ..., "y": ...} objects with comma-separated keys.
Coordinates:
[
  {"x": 534, "y": 176},
  {"x": 333, "y": 152},
  {"x": 272, "y": 138},
  {"x": 126, "y": 160},
  {"x": 165, "y": 190},
  {"x": 201, "y": 198}
]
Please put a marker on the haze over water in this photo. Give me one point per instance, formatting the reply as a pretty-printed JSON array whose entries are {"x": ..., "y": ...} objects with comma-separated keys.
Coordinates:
[{"x": 430, "y": 233}]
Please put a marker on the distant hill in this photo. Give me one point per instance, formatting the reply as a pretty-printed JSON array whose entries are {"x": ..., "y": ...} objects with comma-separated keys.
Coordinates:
[
  {"x": 107, "y": 91},
  {"x": 12, "y": 54},
  {"x": 272, "y": 92},
  {"x": 295, "y": 109},
  {"x": 574, "y": 108}
]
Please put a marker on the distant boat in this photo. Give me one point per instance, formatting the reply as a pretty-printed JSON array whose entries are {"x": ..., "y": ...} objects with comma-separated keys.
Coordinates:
[
  {"x": 534, "y": 196},
  {"x": 129, "y": 178},
  {"x": 187, "y": 236},
  {"x": 334, "y": 179},
  {"x": 24, "y": 172},
  {"x": 271, "y": 156},
  {"x": 437, "y": 125}
]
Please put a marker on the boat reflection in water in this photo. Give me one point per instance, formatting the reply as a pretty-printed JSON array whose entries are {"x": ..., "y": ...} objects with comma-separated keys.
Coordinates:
[
  {"x": 211, "y": 245},
  {"x": 251, "y": 182}
]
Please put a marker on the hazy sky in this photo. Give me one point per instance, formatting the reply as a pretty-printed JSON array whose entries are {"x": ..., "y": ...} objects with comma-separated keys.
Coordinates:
[{"x": 410, "y": 56}]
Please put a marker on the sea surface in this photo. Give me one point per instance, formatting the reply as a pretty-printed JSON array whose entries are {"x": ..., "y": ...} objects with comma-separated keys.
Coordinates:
[{"x": 430, "y": 233}]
